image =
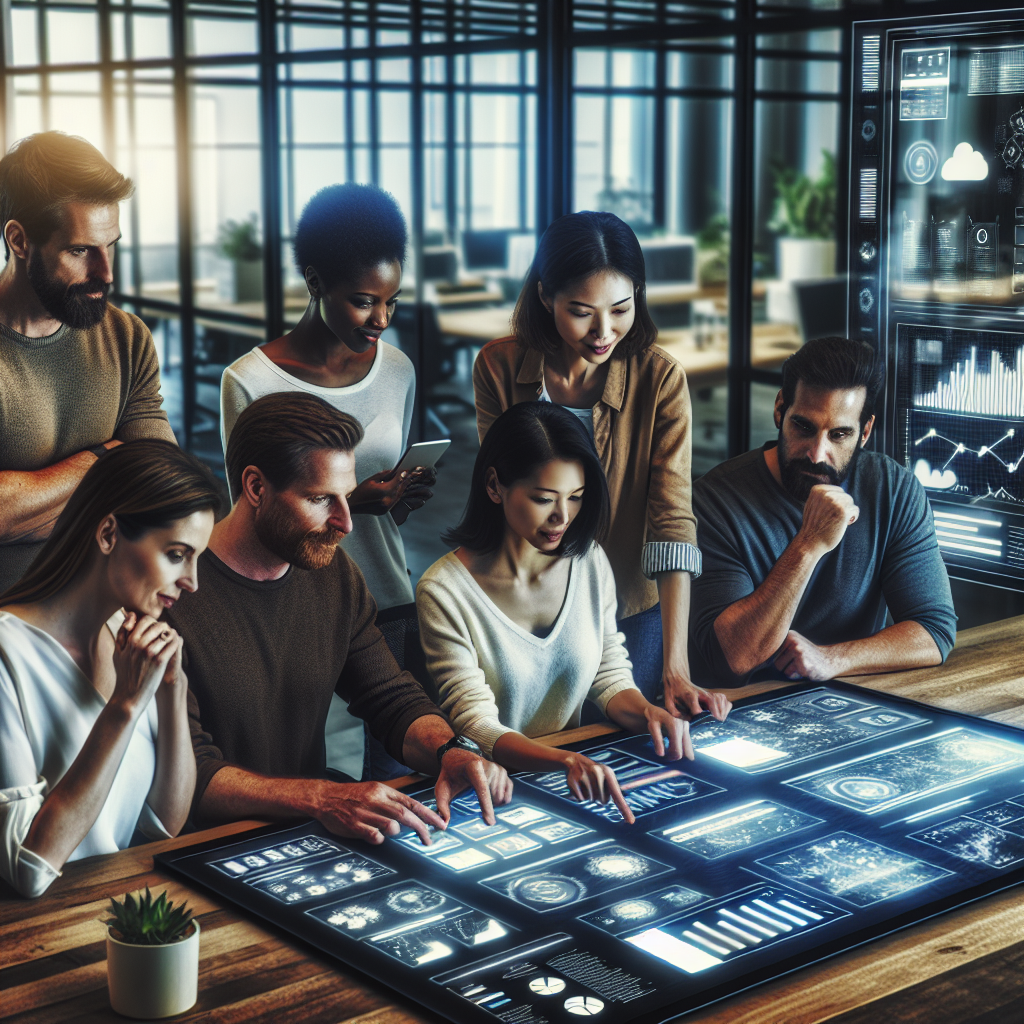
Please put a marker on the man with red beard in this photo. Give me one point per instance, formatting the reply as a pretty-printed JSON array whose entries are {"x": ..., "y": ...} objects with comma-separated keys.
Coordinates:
[
  {"x": 810, "y": 542},
  {"x": 282, "y": 620},
  {"x": 77, "y": 376}
]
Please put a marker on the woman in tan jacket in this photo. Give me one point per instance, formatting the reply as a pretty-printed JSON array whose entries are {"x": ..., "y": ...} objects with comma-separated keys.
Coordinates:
[{"x": 583, "y": 339}]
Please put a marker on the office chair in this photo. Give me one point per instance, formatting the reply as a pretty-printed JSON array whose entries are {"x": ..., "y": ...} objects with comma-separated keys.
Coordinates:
[
  {"x": 820, "y": 307},
  {"x": 435, "y": 357}
]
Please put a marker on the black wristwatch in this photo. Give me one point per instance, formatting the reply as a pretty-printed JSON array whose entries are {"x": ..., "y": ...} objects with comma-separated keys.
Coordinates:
[
  {"x": 99, "y": 450},
  {"x": 456, "y": 741}
]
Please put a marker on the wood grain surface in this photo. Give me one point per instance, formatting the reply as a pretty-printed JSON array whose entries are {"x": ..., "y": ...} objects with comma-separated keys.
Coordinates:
[{"x": 964, "y": 967}]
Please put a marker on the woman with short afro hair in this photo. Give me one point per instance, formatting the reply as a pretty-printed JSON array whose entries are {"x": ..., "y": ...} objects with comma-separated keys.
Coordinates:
[{"x": 350, "y": 244}]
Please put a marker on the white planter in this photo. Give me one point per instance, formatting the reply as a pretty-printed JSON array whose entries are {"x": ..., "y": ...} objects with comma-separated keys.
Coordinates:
[
  {"x": 806, "y": 259},
  {"x": 147, "y": 982}
]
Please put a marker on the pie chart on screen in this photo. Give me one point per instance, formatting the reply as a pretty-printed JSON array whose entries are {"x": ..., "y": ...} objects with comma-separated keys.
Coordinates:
[
  {"x": 584, "y": 1006},
  {"x": 547, "y": 986}
]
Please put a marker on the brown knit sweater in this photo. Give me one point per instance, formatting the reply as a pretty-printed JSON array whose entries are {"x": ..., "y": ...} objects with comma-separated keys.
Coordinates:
[
  {"x": 70, "y": 391},
  {"x": 263, "y": 659}
]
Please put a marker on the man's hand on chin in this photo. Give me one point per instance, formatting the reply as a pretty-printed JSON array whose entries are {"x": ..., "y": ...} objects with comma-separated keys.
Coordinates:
[
  {"x": 798, "y": 658},
  {"x": 462, "y": 770}
]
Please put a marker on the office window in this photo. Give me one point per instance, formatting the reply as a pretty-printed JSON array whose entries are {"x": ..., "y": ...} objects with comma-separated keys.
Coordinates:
[
  {"x": 798, "y": 292},
  {"x": 147, "y": 153},
  {"x": 652, "y": 133},
  {"x": 227, "y": 197}
]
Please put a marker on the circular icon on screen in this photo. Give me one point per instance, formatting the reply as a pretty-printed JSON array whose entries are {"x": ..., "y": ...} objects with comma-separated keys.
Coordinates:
[
  {"x": 415, "y": 901},
  {"x": 868, "y": 252},
  {"x": 868, "y": 130},
  {"x": 921, "y": 162},
  {"x": 866, "y": 300},
  {"x": 544, "y": 890},
  {"x": 981, "y": 236},
  {"x": 548, "y": 986},
  {"x": 584, "y": 1006},
  {"x": 870, "y": 790}
]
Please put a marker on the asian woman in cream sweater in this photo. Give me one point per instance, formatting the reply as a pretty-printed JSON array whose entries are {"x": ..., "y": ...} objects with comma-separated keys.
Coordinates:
[{"x": 518, "y": 623}]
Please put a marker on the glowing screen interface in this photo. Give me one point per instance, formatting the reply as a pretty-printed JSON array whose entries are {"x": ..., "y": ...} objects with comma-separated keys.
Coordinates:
[
  {"x": 953, "y": 259},
  {"x": 810, "y": 820}
]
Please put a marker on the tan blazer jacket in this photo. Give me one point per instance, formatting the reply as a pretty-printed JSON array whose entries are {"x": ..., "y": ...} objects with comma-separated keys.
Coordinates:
[{"x": 642, "y": 435}]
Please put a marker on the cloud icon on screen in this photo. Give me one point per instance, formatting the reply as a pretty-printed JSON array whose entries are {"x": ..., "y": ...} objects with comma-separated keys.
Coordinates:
[
  {"x": 966, "y": 164},
  {"x": 936, "y": 480}
]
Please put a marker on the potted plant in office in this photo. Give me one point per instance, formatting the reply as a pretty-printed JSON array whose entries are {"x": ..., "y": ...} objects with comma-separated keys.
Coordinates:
[
  {"x": 152, "y": 956},
  {"x": 805, "y": 220},
  {"x": 239, "y": 241},
  {"x": 713, "y": 253}
]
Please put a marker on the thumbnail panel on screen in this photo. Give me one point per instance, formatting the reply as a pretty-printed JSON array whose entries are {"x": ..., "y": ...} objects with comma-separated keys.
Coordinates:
[
  {"x": 411, "y": 922},
  {"x": 633, "y": 911},
  {"x": 735, "y": 830},
  {"x": 646, "y": 786},
  {"x": 786, "y": 730},
  {"x": 305, "y": 848},
  {"x": 992, "y": 836},
  {"x": 558, "y": 882},
  {"x": 755, "y": 919},
  {"x": 912, "y": 771},
  {"x": 855, "y": 869},
  {"x": 550, "y": 979},
  {"x": 470, "y": 843}
]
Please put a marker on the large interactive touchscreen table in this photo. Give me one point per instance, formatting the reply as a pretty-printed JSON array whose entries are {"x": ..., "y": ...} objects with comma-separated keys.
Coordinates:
[{"x": 814, "y": 819}]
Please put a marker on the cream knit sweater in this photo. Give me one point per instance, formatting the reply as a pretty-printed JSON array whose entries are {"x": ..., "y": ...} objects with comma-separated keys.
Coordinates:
[{"x": 494, "y": 677}]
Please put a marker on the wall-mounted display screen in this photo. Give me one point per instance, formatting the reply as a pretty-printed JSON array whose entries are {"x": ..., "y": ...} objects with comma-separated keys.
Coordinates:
[
  {"x": 815, "y": 818},
  {"x": 937, "y": 246}
]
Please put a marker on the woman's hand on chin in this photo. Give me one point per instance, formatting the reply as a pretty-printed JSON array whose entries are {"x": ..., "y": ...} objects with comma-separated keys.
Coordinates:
[{"x": 145, "y": 653}]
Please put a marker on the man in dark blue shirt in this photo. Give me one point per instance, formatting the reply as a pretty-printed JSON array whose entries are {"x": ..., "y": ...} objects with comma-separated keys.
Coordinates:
[{"x": 807, "y": 543}]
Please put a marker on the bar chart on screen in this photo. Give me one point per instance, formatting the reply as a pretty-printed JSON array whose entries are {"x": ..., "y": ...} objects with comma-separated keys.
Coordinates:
[{"x": 995, "y": 390}]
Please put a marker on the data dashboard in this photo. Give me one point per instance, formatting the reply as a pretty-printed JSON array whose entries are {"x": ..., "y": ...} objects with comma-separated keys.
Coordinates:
[{"x": 814, "y": 819}]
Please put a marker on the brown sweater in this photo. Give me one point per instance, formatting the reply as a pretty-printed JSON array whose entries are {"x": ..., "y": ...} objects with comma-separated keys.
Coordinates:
[
  {"x": 70, "y": 391},
  {"x": 263, "y": 659}
]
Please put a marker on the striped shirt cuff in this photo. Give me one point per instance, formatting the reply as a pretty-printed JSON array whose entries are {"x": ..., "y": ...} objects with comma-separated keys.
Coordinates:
[{"x": 670, "y": 556}]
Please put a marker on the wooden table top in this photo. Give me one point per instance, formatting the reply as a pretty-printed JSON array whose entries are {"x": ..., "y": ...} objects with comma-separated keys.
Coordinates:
[{"x": 965, "y": 966}]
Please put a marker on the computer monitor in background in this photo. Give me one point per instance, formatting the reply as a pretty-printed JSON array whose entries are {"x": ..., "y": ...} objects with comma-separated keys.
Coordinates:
[
  {"x": 671, "y": 260},
  {"x": 485, "y": 250},
  {"x": 440, "y": 263},
  {"x": 821, "y": 307},
  {"x": 521, "y": 250}
]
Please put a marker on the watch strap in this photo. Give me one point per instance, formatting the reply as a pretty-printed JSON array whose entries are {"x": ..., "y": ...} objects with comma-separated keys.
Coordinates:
[{"x": 455, "y": 741}]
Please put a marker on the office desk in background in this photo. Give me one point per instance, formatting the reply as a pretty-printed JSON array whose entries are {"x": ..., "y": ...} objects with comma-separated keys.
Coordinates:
[{"x": 964, "y": 966}]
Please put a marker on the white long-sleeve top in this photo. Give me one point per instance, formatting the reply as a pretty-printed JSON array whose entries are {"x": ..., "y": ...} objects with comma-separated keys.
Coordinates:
[
  {"x": 495, "y": 677},
  {"x": 47, "y": 710}
]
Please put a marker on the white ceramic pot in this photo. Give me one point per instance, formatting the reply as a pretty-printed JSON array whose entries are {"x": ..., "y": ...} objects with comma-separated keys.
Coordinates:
[
  {"x": 806, "y": 259},
  {"x": 147, "y": 982}
]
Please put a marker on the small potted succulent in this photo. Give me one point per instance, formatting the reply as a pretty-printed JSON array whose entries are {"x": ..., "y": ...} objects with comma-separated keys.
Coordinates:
[{"x": 152, "y": 956}]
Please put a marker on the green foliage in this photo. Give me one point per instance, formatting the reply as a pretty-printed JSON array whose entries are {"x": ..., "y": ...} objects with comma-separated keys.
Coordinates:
[
  {"x": 143, "y": 921},
  {"x": 715, "y": 233},
  {"x": 713, "y": 247},
  {"x": 240, "y": 239},
  {"x": 805, "y": 208}
]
